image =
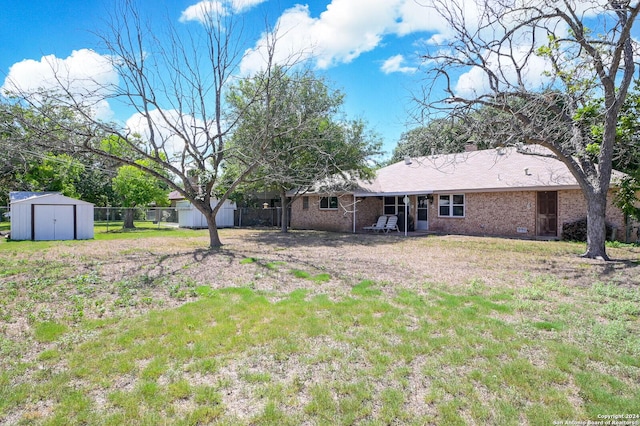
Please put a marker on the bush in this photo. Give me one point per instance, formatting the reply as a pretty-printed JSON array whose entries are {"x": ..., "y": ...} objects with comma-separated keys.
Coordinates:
[{"x": 577, "y": 230}]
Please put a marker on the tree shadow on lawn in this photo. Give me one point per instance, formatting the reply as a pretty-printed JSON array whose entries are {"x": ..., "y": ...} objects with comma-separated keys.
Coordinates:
[
  {"x": 265, "y": 249},
  {"x": 614, "y": 268},
  {"x": 308, "y": 238}
]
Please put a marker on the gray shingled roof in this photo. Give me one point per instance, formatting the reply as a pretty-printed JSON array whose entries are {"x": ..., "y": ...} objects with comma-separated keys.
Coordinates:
[{"x": 492, "y": 170}]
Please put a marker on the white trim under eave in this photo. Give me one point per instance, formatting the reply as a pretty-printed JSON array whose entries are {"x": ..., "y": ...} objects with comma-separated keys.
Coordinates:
[
  {"x": 391, "y": 194},
  {"x": 469, "y": 190}
]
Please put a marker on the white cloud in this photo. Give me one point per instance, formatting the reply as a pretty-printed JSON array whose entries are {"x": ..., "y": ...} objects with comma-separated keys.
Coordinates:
[
  {"x": 394, "y": 64},
  {"x": 344, "y": 31},
  {"x": 474, "y": 82},
  {"x": 418, "y": 16},
  {"x": 85, "y": 74},
  {"x": 244, "y": 5},
  {"x": 294, "y": 41},
  {"x": 199, "y": 11}
]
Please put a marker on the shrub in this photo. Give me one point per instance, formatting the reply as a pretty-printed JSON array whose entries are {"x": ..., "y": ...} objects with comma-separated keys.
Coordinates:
[{"x": 577, "y": 230}]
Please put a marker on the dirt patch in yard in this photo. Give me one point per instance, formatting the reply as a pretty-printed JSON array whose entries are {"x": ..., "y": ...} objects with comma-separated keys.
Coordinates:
[{"x": 135, "y": 275}]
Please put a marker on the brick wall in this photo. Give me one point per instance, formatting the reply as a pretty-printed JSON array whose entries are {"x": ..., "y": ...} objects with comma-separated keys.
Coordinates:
[
  {"x": 486, "y": 213},
  {"x": 369, "y": 208},
  {"x": 339, "y": 220},
  {"x": 573, "y": 206},
  {"x": 502, "y": 213},
  {"x": 490, "y": 213}
]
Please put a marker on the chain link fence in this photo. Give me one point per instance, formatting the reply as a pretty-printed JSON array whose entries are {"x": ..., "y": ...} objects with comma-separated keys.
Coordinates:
[
  {"x": 114, "y": 216},
  {"x": 4, "y": 214},
  {"x": 5, "y": 222},
  {"x": 168, "y": 216},
  {"x": 254, "y": 216}
]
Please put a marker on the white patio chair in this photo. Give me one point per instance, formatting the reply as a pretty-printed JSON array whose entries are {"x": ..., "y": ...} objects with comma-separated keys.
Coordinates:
[
  {"x": 392, "y": 224},
  {"x": 380, "y": 225}
]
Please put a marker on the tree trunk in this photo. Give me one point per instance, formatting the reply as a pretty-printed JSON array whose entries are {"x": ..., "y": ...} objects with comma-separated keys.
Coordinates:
[
  {"x": 596, "y": 229},
  {"x": 128, "y": 219},
  {"x": 284, "y": 215},
  {"x": 627, "y": 228},
  {"x": 214, "y": 238}
]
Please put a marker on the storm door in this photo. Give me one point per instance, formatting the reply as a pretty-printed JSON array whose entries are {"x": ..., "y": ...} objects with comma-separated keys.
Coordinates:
[
  {"x": 422, "y": 207},
  {"x": 548, "y": 214}
]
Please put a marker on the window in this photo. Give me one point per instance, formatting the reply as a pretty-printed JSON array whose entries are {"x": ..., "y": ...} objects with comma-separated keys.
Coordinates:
[
  {"x": 328, "y": 203},
  {"x": 394, "y": 205},
  {"x": 451, "y": 205},
  {"x": 305, "y": 203}
]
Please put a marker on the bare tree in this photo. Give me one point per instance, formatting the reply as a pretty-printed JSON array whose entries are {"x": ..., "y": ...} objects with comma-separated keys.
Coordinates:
[
  {"x": 582, "y": 49},
  {"x": 175, "y": 86}
]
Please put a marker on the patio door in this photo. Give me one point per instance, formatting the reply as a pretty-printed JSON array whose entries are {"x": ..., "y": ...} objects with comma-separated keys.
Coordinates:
[
  {"x": 547, "y": 214},
  {"x": 423, "y": 220}
]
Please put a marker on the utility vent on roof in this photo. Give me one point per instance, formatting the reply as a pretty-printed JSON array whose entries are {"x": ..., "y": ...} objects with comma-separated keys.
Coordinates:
[{"x": 407, "y": 160}]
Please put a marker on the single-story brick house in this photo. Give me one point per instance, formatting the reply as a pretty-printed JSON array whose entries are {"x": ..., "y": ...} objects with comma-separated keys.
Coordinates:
[{"x": 499, "y": 192}]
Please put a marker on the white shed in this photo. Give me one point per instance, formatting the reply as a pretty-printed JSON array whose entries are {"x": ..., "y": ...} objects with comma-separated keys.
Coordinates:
[
  {"x": 51, "y": 216},
  {"x": 190, "y": 217}
]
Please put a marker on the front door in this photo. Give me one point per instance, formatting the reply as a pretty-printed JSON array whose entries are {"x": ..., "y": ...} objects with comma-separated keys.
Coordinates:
[
  {"x": 548, "y": 214},
  {"x": 423, "y": 207}
]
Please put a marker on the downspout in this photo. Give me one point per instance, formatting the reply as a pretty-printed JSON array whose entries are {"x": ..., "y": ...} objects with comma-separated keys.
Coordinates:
[
  {"x": 406, "y": 214},
  {"x": 354, "y": 213}
]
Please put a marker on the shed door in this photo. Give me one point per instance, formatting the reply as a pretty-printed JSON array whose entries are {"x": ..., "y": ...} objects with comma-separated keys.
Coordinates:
[
  {"x": 548, "y": 214},
  {"x": 53, "y": 222}
]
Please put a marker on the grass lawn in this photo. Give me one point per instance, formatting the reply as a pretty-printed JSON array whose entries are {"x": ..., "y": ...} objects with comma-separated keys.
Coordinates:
[{"x": 149, "y": 327}]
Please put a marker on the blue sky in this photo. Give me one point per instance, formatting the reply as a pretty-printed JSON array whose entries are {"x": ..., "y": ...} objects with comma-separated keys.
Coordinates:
[{"x": 369, "y": 47}]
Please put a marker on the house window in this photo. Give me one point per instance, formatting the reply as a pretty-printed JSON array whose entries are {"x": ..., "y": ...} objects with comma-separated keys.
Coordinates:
[
  {"x": 394, "y": 205},
  {"x": 328, "y": 203},
  {"x": 451, "y": 205},
  {"x": 305, "y": 203}
]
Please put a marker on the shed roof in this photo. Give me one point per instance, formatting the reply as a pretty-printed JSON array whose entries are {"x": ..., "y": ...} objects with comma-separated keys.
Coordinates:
[
  {"x": 50, "y": 198},
  {"x": 175, "y": 195},
  {"x": 21, "y": 195}
]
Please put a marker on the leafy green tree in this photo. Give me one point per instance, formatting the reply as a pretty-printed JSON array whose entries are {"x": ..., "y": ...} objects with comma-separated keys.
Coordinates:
[
  {"x": 94, "y": 184},
  {"x": 626, "y": 199},
  {"x": 293, "y": 135},
  {"x": 60, "y": 173},
  {"x": 19, "y": 150},
  {"x": 626, "y": 156},
  {"x": 34, "y": 158},
  {"x": 136, "y": 188},
  {"x": 482, "y": 127}
]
